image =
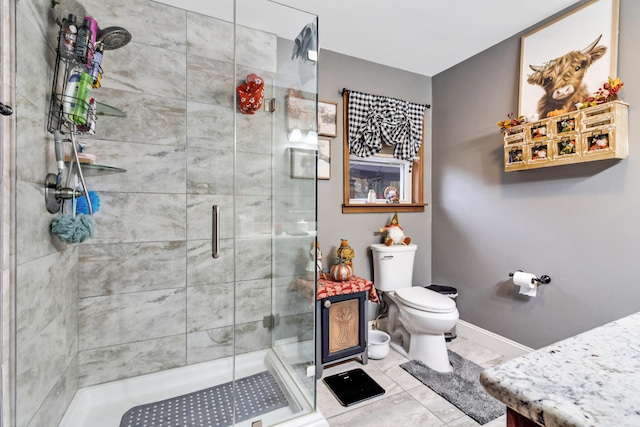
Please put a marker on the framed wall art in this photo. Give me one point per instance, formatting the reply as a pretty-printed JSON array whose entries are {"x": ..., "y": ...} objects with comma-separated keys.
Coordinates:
[
  {"x": 303, "y": 163},
  {"x": 327, "y": 118},
  {"x": 324, "y": 158},
  {"x": 550, "y": 78},
  {"x": 301, "y": 114}
]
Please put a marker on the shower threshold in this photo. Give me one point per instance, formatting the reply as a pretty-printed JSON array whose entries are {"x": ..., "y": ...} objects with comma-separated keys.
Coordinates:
[{"x": 104, "y": 405}]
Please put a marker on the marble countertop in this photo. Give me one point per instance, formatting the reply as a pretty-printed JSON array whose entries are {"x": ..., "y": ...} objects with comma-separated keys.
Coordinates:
[{"x": 592, "y": 379}]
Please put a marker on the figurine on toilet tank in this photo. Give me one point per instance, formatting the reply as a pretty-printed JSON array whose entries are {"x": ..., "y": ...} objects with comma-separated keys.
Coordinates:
[
  {"x": 394, "y": 233},
  {"x": 417, "y": 317}
]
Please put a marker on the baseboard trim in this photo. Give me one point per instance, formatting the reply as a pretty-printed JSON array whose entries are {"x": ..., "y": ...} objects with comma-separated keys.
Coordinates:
[{"x": 493, "y": 342}]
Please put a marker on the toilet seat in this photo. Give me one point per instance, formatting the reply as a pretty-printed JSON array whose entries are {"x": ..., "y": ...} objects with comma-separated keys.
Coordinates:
[{"x": 425, "y": 300}]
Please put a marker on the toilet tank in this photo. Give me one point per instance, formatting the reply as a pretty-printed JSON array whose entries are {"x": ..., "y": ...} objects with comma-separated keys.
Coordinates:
[{"x": 393, "y": 266}]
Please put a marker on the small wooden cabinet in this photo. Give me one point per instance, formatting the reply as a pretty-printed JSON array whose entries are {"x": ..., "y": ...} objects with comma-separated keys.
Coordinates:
[
  {"x": 594, "y": 133},
  {"x": 342, "y": 329}
]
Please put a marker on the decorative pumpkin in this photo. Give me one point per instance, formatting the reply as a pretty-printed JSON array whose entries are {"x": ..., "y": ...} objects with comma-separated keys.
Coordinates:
[
  {"x": 394, "y": 234},
  {"x": 341, "y": 272},
  {"x": 556, "y": 112}
]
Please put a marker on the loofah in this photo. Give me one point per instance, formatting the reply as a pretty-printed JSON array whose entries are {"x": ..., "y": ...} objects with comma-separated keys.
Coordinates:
[
  {"x": 73, "y": 229},
  {"x": 83, "y": 208}
]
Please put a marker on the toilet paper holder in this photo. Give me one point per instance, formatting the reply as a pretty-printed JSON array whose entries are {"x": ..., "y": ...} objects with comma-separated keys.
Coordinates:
[{"x": 544, "y": 279}]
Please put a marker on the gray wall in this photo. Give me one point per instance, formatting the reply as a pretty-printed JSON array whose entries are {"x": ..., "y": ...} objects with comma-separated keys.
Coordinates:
[
  {"x": 578, "y": 223},
  {"x": 339, "y": 71}
]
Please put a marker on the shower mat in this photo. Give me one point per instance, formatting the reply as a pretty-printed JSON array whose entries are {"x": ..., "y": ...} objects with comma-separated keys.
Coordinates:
[{"x": 255, "y": 395}]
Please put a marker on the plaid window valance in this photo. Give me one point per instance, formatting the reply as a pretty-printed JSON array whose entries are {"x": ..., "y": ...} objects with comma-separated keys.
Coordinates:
[{"x": 375, "y": 119}]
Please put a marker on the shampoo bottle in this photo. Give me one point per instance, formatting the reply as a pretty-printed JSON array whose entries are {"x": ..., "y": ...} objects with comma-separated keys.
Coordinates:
[
  {"x": 81, "y": 107},
  {"x": 83, "y": 42},
  {"x": 70, "y": 94},
  {"x": 95, "y": 64},
  {"x": 90, "y": 126},
  {"x": 93, "y": 26},
  {"x": 67, "y": 40}
]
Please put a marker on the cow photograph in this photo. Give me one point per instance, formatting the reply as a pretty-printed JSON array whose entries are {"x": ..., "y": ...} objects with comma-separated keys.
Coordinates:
[{"x": 568, "y": 60}]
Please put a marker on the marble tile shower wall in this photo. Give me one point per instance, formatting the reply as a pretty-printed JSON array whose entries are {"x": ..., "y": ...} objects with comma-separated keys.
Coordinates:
[
  {"x": 151, "y": 296},
  {"x": 45, "y": 287}
]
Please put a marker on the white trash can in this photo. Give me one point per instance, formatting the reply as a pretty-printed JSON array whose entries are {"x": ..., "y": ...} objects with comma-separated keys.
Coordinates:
[
  {"x": 452, "y": 293},
  {"x": 378, "y": 344}
]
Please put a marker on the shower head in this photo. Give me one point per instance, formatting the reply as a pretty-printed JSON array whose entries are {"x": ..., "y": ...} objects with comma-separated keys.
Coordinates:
[
  {"x": 113, "y": 37},
  {"x": 63, "y": 8}
]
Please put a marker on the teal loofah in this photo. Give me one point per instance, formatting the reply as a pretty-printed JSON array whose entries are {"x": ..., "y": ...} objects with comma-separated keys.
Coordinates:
[
  {"x": 73, "y": 229},
  {"x": 81, "y": 203}
]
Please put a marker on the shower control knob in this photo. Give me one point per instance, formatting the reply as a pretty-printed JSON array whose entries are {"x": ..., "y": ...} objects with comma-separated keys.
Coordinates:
[{"x": 327, "y": 304}]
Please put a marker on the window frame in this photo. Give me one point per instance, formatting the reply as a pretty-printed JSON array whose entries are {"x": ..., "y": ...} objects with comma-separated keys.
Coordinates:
[{"x": 417, "y": 179}]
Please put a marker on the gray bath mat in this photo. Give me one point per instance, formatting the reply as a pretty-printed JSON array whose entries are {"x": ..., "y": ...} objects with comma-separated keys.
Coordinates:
[
  {"x": 460, "y": 387},
  {"x": 211, "y": 407}
]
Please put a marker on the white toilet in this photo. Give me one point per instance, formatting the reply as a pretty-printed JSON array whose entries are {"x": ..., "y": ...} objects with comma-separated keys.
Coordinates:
[{"x": 418, "y": 317}]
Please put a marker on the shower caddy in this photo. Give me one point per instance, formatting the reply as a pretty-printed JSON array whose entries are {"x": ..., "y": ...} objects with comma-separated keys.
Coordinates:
[{"x": 61, "y": 121}]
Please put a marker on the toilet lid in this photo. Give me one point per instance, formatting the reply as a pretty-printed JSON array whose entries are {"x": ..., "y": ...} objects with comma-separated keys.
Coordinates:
[{"x": 426, "y": 300}]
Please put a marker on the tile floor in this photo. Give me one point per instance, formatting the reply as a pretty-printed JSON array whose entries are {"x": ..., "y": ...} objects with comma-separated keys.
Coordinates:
[{"x": 407, "y": 402}]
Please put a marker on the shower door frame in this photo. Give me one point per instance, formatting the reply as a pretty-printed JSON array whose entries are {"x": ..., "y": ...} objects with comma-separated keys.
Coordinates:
[{"x": 7, "y": 203}]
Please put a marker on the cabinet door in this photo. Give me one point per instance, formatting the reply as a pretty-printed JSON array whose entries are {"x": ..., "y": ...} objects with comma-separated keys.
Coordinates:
[{"x": 343, "y": 326}]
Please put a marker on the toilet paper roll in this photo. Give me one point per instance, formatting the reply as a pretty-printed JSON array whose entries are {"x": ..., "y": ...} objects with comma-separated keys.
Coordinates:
[{"x": 527, "y": 283}]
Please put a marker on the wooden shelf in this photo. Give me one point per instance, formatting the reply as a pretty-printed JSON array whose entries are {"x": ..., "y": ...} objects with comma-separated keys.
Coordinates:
[
  {"x": 594, "y": 133},
  {"x": 379, "y": 207}
]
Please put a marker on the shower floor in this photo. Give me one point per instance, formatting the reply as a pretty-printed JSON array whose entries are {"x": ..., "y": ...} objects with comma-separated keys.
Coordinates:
[{"x": 104, "y": 405}]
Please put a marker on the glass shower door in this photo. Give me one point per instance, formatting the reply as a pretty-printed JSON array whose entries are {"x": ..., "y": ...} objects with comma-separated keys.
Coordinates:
[{"x": 276, "y": 202}]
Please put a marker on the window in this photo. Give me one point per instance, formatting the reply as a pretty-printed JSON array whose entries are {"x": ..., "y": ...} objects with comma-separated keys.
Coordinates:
[
  {"x": 388, "y": 177},
  {"x": 359, "y": 171}
]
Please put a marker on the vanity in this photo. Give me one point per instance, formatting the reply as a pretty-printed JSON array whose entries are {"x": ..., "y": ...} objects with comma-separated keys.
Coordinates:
[{"x": 591, "y": 379}]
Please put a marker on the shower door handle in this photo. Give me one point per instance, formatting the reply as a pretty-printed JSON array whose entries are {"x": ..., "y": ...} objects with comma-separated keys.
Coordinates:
[
  {"x": 5, "y": 110},
  {"x": 215, "y": 231}
]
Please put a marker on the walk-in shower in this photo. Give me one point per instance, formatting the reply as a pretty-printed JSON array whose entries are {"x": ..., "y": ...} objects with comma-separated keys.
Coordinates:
[{"x": 140, "y": 321}]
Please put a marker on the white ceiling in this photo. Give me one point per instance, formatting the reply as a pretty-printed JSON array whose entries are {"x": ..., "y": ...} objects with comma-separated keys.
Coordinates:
[{"x": 421, "y": 36}]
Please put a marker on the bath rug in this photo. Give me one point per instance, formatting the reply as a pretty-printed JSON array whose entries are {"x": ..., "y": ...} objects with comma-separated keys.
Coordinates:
[
  {"x": 353, "y": 387},
  {"x": 255, "y": 395},
  {"x": 461, "y": 387}
]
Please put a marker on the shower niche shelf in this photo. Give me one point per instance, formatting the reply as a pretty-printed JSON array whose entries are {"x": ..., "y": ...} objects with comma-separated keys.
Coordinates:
[{"x": 97, "y": 169}]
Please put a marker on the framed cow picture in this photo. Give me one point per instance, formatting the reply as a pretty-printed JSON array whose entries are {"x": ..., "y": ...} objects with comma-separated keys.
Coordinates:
[{"x": 569, "y": 59}]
